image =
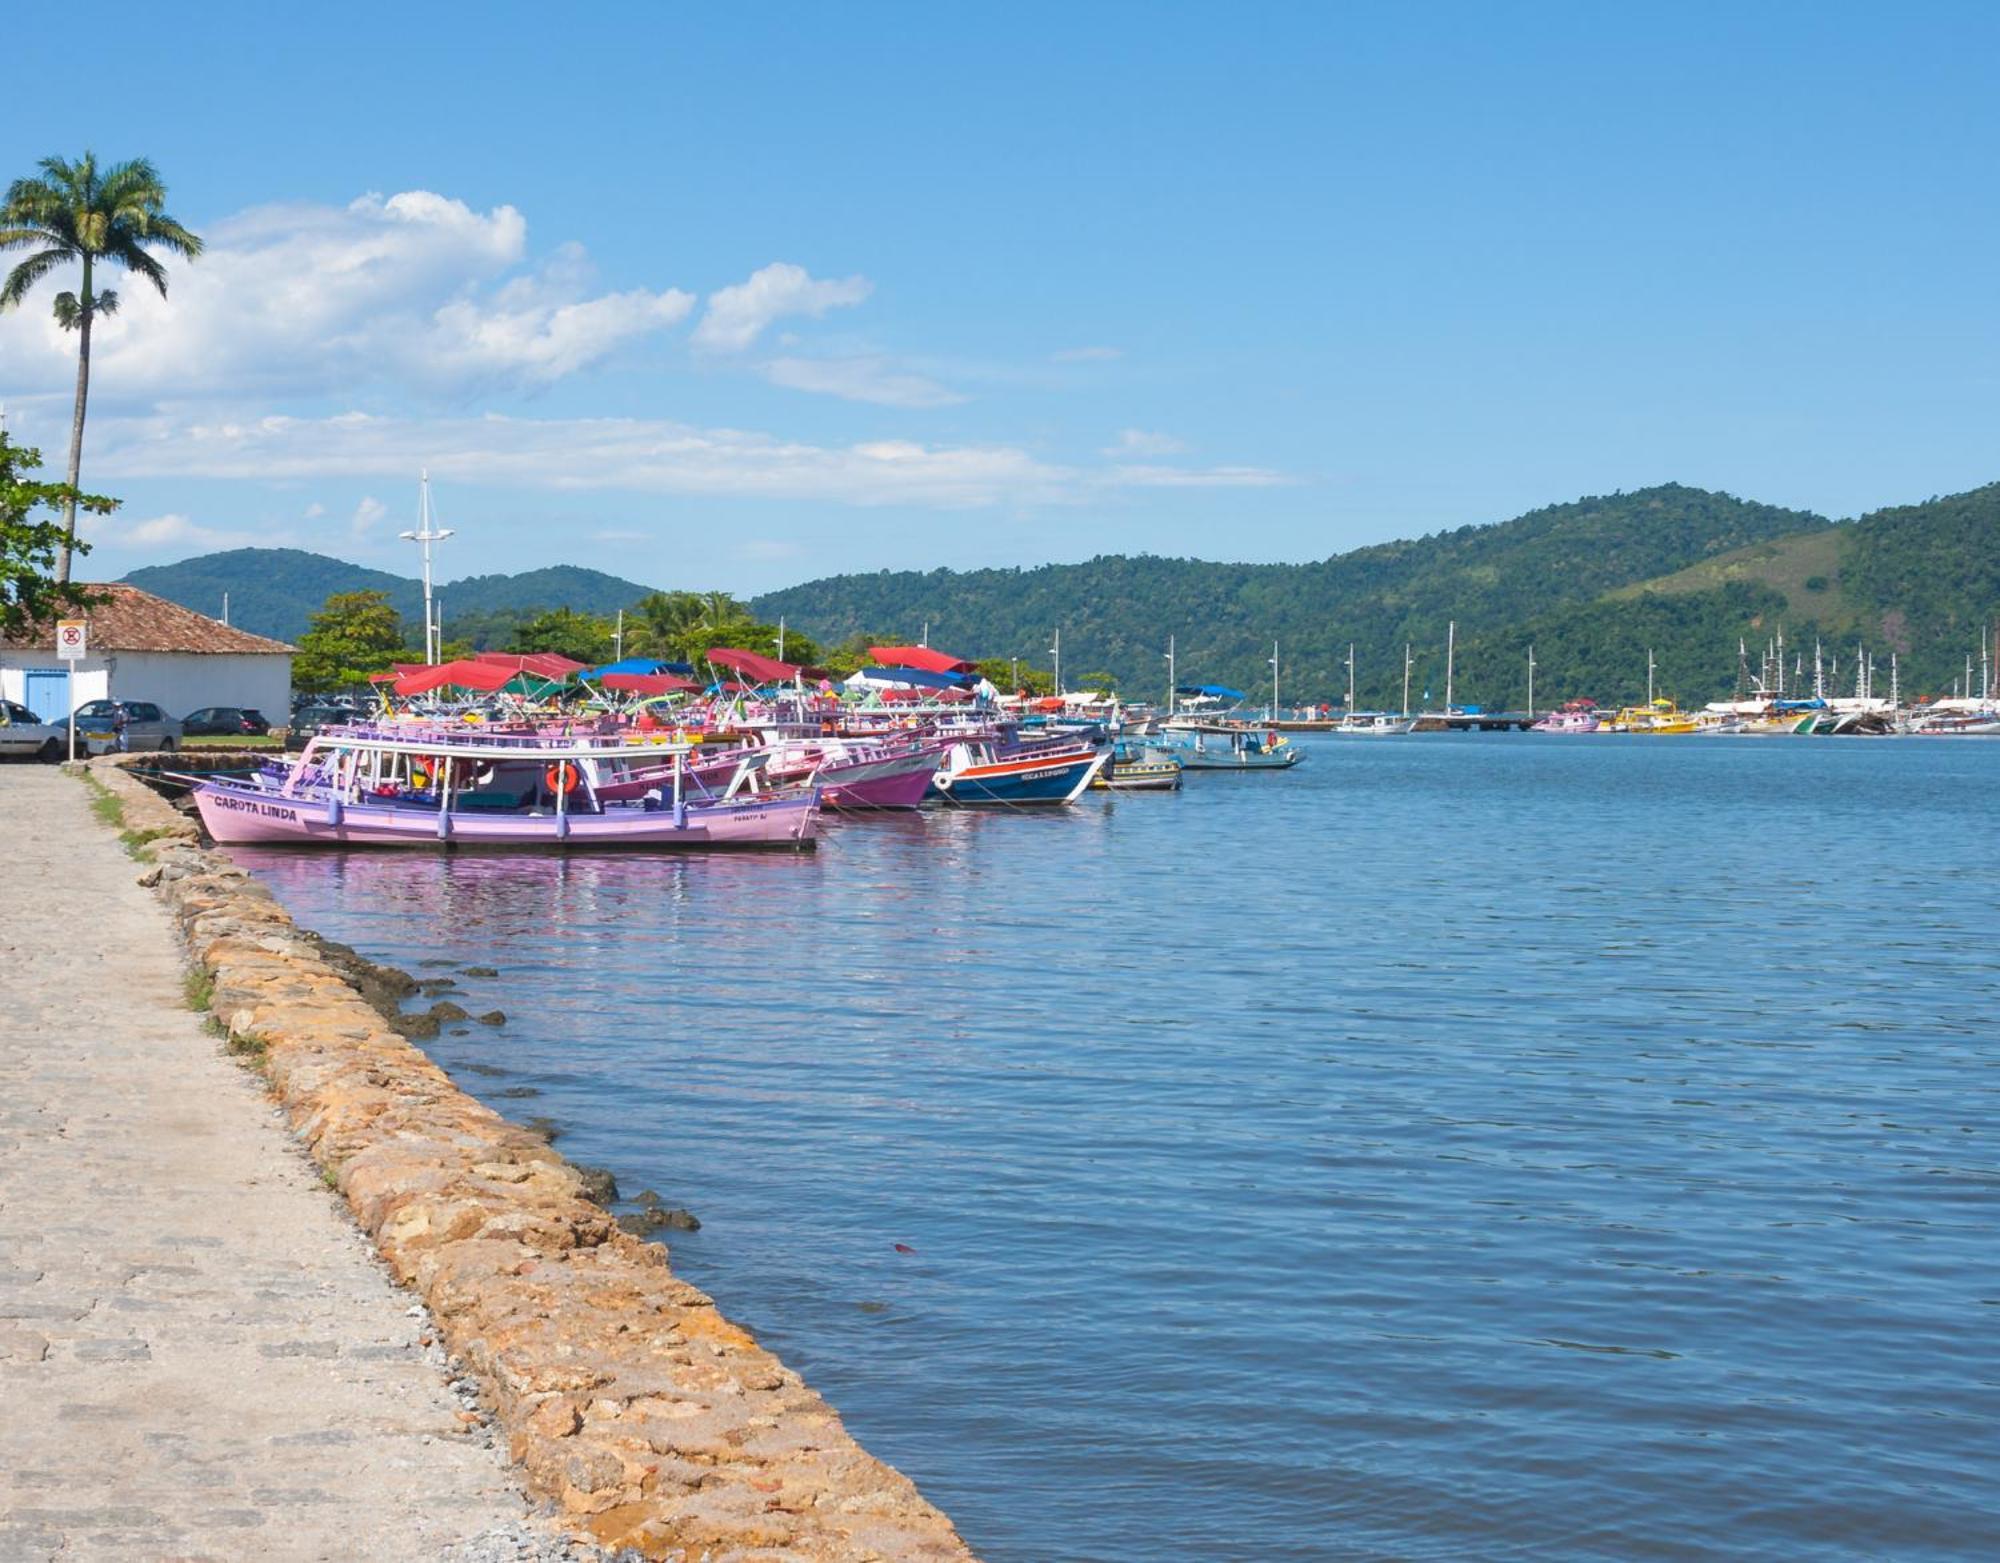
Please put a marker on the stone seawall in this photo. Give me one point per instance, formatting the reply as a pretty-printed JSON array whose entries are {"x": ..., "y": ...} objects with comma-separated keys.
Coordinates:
[{"x": 625, "y": 1395}]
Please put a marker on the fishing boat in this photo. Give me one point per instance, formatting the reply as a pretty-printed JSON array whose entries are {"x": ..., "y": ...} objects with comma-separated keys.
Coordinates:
[
  {"x": 1575, "y": 716},
  {"x": 1231, "y": 747},
  {"x": 993, "y": 771},
  {"x": 444, "y": 788},
  {"x": 1374, "y": 724}
]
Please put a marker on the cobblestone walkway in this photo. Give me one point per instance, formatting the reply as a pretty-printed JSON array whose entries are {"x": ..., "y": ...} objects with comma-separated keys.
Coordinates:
[{"x": 200, "y": 1356}]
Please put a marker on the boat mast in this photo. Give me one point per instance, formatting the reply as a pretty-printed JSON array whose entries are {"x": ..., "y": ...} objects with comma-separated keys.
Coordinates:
[
  {"x": 1350, "y": 675},
  {"x": 1450, "y": 648},
  {"x": 426, "y": 535},
  {"x": 1531, "y": 681},
  {"x": 1406, "y": 678},
  {"x": 1274, "y": 681},
  {"x": 1172, "y": 682}
]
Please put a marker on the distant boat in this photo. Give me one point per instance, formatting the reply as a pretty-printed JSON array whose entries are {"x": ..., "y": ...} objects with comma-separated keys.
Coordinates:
[
  {"x": 1374, "y": 724},
  {"x": 1576, "y": 716},
  {"x": 1229, "y": 747}
]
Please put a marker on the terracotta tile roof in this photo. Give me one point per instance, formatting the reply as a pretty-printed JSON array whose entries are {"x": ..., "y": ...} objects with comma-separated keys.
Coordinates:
[{"x": 131, "y": 620}]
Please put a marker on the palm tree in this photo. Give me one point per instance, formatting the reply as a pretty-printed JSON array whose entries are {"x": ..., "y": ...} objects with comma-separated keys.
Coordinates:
[{"x": 75, "y": 212}]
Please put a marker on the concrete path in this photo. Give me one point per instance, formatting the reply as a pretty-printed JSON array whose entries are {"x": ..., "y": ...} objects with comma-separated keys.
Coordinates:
[{"x": 200, "y": 1356}]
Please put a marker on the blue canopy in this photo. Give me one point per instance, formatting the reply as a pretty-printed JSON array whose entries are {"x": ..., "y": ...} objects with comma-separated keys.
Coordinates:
[
  {"x": 641, "y": 665},
  {"x": 1219, "y": 691},
  {"x": 917, "y": 678}
]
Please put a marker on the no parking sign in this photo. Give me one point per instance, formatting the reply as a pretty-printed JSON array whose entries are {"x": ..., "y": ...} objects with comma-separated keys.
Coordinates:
[{"x": 72, "y": 637}]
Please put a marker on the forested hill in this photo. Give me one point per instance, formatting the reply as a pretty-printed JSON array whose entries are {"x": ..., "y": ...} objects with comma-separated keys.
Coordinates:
[
  {"x": 1116, "y": 613},
  {"x": 275, "y": 591}
]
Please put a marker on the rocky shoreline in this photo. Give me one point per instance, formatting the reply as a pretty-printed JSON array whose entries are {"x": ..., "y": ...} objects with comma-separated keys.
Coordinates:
[{"x": 625, "y": 1396}]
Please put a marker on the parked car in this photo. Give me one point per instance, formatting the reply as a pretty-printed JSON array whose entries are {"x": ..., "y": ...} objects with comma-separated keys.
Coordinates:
[
  {"x": 24, "y": 734},
  {"x": 308, "y": 720},
  {"x": 146, "y": 726},
  {"x": 225, "y": 721}
]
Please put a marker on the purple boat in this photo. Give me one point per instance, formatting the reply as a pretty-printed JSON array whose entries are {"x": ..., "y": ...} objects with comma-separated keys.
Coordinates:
[{"x": 372, "y": 791}]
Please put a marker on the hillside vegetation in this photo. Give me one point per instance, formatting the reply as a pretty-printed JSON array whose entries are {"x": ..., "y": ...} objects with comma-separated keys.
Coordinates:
[
  {"x": 1591, "y": 586},
  {"x": 276, "y": 591}
]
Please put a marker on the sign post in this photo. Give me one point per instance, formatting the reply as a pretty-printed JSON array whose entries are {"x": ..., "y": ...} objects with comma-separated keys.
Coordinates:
[{"x": 72, "y": 642}]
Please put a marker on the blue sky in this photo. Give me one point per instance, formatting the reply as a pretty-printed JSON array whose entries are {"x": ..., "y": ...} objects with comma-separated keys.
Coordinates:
[{"x": 736, "y": 296}]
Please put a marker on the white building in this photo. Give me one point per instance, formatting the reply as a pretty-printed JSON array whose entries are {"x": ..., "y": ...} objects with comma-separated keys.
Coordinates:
[{"x": 143, "y": 647}]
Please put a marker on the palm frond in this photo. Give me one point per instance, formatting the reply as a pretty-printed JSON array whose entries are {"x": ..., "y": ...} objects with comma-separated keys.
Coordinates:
[
  {"x": 29, "y": 272},
  {"x": 106, "y": 302},
  {"x": 168, "y": 234},
  {"x": 17, "y": 238},
  {"x": 69, "y": 314},
  {"x": 128, "y": 254}
]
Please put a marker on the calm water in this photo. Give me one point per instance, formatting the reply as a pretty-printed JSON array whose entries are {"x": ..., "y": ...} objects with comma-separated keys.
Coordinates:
[{"x": 1457, "y": 1147}]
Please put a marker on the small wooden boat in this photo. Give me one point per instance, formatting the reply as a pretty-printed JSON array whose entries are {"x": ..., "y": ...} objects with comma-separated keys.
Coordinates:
[
  {"x": 1150, "y": 774},
  {"x": 1374, "y": 724}
]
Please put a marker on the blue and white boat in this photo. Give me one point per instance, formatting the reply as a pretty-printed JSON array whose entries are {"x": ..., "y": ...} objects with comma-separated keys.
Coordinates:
[{"x": 987, "y": 770}]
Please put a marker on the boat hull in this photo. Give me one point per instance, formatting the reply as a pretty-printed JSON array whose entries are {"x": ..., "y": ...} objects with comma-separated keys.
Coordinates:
[
  {"x": 1030, "y": 780},
  {"x": 236, "y": 816}
]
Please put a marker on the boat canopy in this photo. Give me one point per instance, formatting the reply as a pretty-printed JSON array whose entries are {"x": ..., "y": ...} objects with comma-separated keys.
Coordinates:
[
  {"x": 469, "y": 674},
  {"x": 543, "y": 664},
  {"x": 643, "y": 665},
  {"x": 754, "y": 666},
  {"x": 1214, "y": 691},
  {"x": 919, "y": 657},
  {"x": 648, "y": 683},
  {"x": 913, "y": 678}
]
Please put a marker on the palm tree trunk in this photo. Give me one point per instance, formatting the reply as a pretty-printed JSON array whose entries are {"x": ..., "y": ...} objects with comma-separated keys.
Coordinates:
[{"x": 76, "y": 426}]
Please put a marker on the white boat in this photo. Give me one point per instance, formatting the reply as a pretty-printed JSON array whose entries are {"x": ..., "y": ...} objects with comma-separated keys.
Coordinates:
[{"x": 1374, "y": 724}]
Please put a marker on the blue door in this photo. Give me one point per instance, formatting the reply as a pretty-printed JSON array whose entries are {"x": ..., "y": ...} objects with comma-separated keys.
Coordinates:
[{"x": 48, "y": 694}]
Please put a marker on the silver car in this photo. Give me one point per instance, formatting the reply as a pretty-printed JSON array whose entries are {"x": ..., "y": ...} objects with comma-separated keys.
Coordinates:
[
  {"x": 27, "y": 736},
  {"x": 145, "y": 726}
]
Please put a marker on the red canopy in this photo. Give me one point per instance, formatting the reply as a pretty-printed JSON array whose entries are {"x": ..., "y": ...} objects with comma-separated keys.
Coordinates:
[
  {"x": 919, "y": 657},
  {"x": 543, "y": 664},
  {"x": 762, "y": 670},
  {"x": 648, "y": 683},
  {"x": 466, "y": 675}
]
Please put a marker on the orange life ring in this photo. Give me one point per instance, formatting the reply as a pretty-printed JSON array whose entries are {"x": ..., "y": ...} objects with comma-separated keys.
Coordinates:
[{"x": 562, "y": 778}]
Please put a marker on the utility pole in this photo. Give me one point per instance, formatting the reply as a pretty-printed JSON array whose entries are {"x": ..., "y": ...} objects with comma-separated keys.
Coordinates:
[
  {"x": 781, "y": 637},
  {"x": 1450, "y": 649},
  {"x": 1350, "y": 675},
  {"x": 1531, "y": 681},
  {"x": 1650, "y": 665},
  {"x": 1054, "y": 651},
  {"x": 1406, "y": 678},
  {"x": 1274, "y": 681},
  {"x": 426, "y": 535},
  {"x": 618, "y": 641},
  {"x": 1172, "y": 680}
]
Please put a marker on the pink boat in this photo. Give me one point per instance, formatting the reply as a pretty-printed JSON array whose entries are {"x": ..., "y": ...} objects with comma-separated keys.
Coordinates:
[{"x": 365, "y": 790}]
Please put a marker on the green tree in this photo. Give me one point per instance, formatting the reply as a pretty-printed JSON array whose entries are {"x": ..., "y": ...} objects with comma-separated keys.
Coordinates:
[
  {"x": 353, "y": 635},
  {"x": 582, "y": 637},
  {"x": 658, "y": 625},
  {"x": 75, "y": 212},
  {"x": 31, "y": 593}
]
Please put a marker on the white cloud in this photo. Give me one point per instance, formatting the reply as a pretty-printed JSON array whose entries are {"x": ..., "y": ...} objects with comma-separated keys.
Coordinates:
[
  {"x": 367, "y": 515},
  {"x": 414, "y": 290},
  {"x": 172, "y": 530},
  {"x": 737, "y": 315},
  {"x": 1192, "y": 477},
  {"x": 635, "y": 454},
  {"x": 1138, "y": 442},
  {"x": 867, "y": 379},
  {"x": 315, "y": 510},
  {"x": 1086, "y": 355}
]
